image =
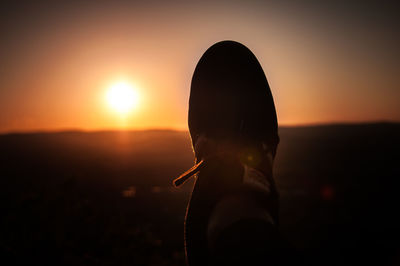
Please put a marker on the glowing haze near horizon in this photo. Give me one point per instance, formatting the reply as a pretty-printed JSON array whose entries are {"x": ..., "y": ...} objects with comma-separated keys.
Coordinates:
[{"x": 325, "y": 62}]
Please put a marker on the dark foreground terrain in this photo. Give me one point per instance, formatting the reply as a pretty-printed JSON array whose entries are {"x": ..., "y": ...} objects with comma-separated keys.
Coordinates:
[{"x": 105, "y": 198}]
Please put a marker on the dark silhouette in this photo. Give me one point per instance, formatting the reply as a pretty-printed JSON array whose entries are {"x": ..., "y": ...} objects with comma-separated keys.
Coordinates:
[
  {"x": 230, "y": 97},
  {"x": 232, "y": 216}
]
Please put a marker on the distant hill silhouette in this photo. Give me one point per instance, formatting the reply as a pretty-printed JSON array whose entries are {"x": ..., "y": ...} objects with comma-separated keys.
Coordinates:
[{"x": 99, "y": 198}]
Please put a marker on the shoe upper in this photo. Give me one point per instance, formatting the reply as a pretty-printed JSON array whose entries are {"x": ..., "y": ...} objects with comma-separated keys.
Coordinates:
[
  {"x": 234, "y": 132},
  {"x": 230, "y": 98},
  {"x": 231, "y": 109}
]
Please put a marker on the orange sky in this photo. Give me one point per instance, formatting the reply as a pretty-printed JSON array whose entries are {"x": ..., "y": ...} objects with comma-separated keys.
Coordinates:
[{"x": 324, "y": 64}]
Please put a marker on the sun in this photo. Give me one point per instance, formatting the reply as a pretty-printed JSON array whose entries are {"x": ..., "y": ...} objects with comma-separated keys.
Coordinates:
[{"x": 122, "y": 97}]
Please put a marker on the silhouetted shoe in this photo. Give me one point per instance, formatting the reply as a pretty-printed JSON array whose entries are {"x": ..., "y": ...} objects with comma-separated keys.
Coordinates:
[{"x": 233, "y": 211}]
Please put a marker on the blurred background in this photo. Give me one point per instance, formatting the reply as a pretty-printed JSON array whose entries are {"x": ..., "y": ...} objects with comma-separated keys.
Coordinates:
[
  {"x": 93, "y": 125},
  {"x": 335, "y": 61}
]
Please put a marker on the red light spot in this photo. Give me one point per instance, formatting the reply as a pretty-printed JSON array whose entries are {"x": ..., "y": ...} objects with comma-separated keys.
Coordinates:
[{"x": 327, "y": 192}]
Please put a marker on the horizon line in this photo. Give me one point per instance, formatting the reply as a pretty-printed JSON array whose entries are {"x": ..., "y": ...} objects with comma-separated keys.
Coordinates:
[{"x": 180, "y": 129}]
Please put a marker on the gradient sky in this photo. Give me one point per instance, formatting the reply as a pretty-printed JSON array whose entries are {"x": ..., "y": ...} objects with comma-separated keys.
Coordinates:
[{"x": 326, "y": 61}]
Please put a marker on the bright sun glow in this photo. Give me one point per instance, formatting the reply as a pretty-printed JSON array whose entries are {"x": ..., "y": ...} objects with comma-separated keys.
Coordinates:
[{"x": 122, "y": 97}]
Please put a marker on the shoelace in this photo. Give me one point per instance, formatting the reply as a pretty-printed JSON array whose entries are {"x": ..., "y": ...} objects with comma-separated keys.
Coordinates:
[
  {"x": 197, "y": 168},
  {"x": 189, "y": 173},
  {"x": 200, "y": 165}
]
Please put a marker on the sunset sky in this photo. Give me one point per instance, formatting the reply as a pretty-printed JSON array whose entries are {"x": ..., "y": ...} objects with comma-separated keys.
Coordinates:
[{"x": 326, "y": 61}]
